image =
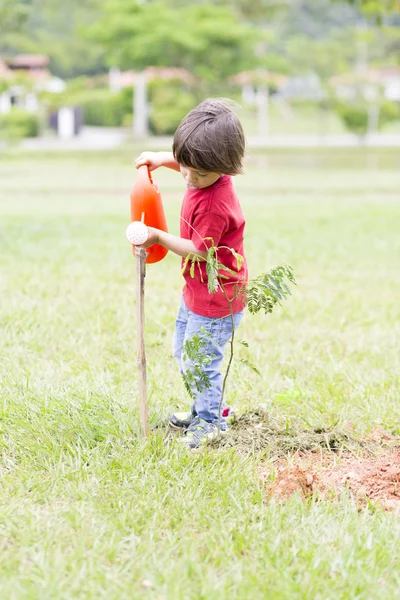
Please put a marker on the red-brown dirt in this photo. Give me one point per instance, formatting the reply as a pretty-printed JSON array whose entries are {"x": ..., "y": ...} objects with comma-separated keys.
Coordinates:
[{"x": 324, "y": 475}]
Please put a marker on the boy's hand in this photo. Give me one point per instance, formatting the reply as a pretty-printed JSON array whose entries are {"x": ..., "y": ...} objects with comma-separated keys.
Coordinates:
[
  {"x": 153, "y": 237},
  {"x": 154, "y": 160}
]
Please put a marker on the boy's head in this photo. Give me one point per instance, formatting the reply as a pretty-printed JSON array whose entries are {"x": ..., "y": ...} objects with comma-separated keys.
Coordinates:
[{"x": 210, "y": 140}]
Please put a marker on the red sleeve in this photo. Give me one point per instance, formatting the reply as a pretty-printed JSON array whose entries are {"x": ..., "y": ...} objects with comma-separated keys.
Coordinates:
[{"x": 208, "y": 225}]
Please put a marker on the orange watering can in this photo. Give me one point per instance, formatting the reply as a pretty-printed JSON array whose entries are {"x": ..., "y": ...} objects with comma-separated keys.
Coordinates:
[{"x": 147, "y": 206}]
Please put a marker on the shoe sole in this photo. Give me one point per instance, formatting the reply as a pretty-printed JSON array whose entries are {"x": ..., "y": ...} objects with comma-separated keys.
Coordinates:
[
  {"x": 177, "y": 427},
  {"x": 204, "y": 443}
]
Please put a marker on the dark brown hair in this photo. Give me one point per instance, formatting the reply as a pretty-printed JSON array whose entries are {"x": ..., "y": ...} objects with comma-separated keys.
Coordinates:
[{"x": 210, "y": 138}]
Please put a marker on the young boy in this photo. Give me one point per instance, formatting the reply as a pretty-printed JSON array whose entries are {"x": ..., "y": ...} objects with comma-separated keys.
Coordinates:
[{"x": 208, "y": 148}]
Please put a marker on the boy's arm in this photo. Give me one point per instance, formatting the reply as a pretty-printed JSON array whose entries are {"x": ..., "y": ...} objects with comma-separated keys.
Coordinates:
[
  {"x": 175, "y": 244},
  {"x": 157, "y": 159}
]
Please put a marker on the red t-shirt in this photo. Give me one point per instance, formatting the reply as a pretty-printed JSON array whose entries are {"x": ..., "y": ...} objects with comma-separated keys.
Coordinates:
[{"x": 213, "y": 212}]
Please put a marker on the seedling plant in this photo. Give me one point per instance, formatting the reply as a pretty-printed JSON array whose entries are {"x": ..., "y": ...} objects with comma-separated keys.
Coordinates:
[{"x": 260, "y": 294}]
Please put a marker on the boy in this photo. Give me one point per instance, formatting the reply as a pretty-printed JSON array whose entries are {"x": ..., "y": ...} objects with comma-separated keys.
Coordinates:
[{"x": 208, "y": 148}]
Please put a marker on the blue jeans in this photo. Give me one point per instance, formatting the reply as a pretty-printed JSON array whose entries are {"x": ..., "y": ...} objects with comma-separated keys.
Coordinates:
[{"x": 219, "y": 331}]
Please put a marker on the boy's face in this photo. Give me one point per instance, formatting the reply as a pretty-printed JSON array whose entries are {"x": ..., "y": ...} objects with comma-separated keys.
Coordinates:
[{"x": 198, "y": 179}]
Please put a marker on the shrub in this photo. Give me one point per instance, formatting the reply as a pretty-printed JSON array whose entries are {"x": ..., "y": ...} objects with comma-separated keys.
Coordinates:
[
  {"x": 100, "y": 106},
  {"x": 170, "y": 102},
  {"x": 104, "y": 108},
  {"x": 389, "y": 111},
  {"x": 18, "y": 124},
  {"x": 354, "y": 117},
  {"x": 4, "y": 85}
]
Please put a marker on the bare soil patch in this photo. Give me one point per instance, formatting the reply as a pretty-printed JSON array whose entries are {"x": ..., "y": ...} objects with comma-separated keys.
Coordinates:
[
  {"x": 373, "y": 479},
  {"x": 320, "y": 463}
]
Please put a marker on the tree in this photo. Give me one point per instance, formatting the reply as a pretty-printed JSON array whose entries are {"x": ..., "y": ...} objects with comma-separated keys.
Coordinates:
[
  {"x": 13, "y": 14},
  {"x": 55, "y": 28},
  {"x": 209, "y": 41},
  {"x": 375, "y": 8}
]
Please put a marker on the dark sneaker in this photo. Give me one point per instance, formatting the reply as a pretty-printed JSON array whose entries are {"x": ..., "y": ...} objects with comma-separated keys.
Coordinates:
[
  {"x": 200, "y": 432},
  {"x": 182, "y": 420}
]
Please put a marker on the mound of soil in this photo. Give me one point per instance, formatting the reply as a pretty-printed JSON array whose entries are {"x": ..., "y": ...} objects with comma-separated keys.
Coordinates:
[
  {"x": 256, "y": 432},
  {"x": 318, "y": 462},
  {"x": 369, "y": 479}
]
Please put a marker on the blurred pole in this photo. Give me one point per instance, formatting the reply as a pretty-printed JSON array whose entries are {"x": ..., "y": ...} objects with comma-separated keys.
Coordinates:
[
  {"x": 262, "y": 100},
  {"x": 140, "y": 107},
  {"x": 373, "y": 118},
  {"x": 262, "y": 93},
  {"x": 362, "y": 57},
  {"x": 323, "y": 120},
  {"x": 362, "y": 49},
  {"x": 114, "y": 79},
  {"x": 371, "y": 95}
]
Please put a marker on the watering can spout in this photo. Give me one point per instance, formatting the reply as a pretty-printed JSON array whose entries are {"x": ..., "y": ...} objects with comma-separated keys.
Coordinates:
[{"x": 147, "y": 207}]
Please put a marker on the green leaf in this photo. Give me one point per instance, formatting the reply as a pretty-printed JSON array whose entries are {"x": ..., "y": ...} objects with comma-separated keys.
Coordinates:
[
  {"x": 185, "y": 264},
  {"x": 250, "y": 366},
  {"x": 269, "y": 289},
  {"x": 222, "y": 267},
  {"x": 195, "y": 376},
  {"x": 212, "y": 271},
  {"x": 200, "y": 272},
  {"x": 239, "y": 258}
]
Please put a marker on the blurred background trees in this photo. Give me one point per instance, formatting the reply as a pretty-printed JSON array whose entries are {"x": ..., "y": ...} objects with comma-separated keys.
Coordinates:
[{"x": 314, "y": 58}]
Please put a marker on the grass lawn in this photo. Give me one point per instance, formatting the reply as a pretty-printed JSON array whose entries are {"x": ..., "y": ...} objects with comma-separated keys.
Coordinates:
[{"x": 90, "y": 510}]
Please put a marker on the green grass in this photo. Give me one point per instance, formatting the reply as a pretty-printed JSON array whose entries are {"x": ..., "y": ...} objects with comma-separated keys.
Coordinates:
[{"x": 90, "y": 510}]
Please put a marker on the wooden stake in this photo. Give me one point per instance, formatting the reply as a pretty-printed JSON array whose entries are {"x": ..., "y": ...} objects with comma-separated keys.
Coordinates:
[{"x": 140, "y": 254}]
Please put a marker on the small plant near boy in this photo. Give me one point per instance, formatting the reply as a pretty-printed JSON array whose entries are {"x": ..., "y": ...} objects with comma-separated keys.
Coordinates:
[
  {"x": 194, "y": 350},
  {"x": 262, "y": 293}
]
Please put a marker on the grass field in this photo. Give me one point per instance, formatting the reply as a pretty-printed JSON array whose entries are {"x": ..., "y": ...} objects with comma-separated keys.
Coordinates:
[{"x": 88, "y": 509}]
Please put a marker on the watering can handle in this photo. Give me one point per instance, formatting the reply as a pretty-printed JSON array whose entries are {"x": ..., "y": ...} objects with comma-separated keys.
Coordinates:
[{"x": 148, "y": 178}]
